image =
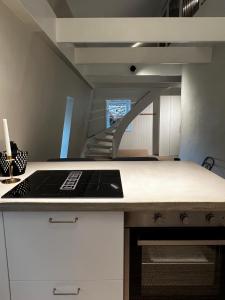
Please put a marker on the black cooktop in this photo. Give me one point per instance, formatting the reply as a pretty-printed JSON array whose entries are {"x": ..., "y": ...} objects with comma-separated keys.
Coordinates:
[{"x": 69, "y": 184}]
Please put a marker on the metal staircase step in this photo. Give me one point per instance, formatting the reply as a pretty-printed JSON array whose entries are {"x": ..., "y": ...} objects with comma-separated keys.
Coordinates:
[
  {"x": 99, "y": 146},
  {"x": 99, "y": 150},
  {"x": 107, "y": 140},
  {"x": 109, "y": 133}
]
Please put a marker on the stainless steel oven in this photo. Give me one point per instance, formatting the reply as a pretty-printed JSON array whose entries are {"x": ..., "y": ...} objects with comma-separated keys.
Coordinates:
[{"x": 175, "y": 255}]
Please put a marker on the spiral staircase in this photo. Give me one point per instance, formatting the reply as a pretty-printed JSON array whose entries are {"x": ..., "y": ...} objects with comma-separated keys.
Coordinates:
[{"x": 105, "y": 144}]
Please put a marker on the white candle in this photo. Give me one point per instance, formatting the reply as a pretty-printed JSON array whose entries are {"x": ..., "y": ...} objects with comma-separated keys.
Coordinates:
[{"x": 7, "y": 140}]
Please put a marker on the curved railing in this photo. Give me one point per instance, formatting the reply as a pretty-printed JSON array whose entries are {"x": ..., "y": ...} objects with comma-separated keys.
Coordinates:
[
  {"x": 146, "y": 100},
  {"x": 120, "y": 125}
]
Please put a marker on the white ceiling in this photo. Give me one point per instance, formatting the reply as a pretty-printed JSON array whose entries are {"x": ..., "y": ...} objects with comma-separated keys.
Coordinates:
[
  {"x": 115, "y": 8},
  {"x": 116, "y": 75}
]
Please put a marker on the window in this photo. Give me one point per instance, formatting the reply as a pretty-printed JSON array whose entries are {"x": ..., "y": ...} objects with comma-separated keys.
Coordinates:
[{"x": 115, "y": 110}]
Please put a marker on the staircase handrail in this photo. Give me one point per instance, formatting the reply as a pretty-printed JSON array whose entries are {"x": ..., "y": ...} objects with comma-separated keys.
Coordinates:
[
  {"x": 115, "y": 125},
  {"x": 141, "y": 104}
]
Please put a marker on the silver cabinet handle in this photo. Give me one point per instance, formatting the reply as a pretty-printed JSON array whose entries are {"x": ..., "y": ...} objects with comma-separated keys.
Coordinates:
[
  {"x": 55, "y": 293},
  {"x": 52, "y": 221}
]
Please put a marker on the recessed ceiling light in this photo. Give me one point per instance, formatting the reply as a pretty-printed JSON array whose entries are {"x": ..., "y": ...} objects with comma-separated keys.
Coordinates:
[{"x": 136, "y": 45}]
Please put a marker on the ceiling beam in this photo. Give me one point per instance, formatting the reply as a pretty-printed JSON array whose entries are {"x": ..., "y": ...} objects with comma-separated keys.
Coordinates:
[
  {"x": 139, "y": 85},
  {"x": 143, "y": 55},
  {"x": 124, "y": 69},
  {"x": 61, "y": 8},
  {"x": 168, "y": 80},
  {"x": 146, "y": 30}
]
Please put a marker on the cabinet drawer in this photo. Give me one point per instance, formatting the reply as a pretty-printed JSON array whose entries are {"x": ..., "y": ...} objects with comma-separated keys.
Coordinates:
[
  {"x": 81, "y": 290},
  {"x": 64, "y": 245}
]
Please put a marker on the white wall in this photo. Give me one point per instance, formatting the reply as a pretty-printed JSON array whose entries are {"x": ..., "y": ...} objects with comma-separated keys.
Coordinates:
[
  {"x": 203, "y": 111},
  {"x": 102, "y": 94},
  {"x": 34, "y": 84},
  {"x": 141, "y": 134}
]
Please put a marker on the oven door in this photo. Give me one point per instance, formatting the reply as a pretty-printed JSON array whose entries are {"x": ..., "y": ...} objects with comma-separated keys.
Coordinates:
[{"x": 177, "y": 263}]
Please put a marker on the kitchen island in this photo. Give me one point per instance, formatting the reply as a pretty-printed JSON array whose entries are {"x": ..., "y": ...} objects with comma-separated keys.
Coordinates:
[
  {"x": 146, "y": 185},
  {"x": 73, "y": 248}
]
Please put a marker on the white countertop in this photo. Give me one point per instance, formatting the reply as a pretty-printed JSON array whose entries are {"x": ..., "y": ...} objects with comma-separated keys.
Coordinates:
[{"x": 146, "y": 185}]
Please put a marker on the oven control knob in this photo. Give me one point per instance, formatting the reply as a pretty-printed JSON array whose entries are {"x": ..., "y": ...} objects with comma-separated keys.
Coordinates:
[
  {"x": 211, "y": 218},
  {"x": 184, "y": 219},
  {"x": 158, "y": 218}
]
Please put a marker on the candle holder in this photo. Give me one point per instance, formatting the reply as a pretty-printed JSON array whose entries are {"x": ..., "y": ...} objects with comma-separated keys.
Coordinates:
[{"x": 12, "y": 179}]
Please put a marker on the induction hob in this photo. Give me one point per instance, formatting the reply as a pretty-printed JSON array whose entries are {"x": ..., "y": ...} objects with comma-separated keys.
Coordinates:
[{"x": 69, "y": 184}]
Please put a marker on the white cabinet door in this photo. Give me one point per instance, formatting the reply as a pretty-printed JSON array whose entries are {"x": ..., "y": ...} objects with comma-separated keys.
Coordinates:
[
  {"x": 89, "y": 249},
  {"x": 4, "y": 282},
  {"x": 81, "y": 290}
]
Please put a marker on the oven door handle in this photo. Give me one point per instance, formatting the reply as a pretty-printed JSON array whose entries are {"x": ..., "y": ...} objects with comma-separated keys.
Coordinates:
[{"x": 181, "y": 242}]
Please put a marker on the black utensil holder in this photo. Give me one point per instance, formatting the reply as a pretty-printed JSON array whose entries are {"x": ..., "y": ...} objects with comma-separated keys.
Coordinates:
[{"x": 19, "y": 163}]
